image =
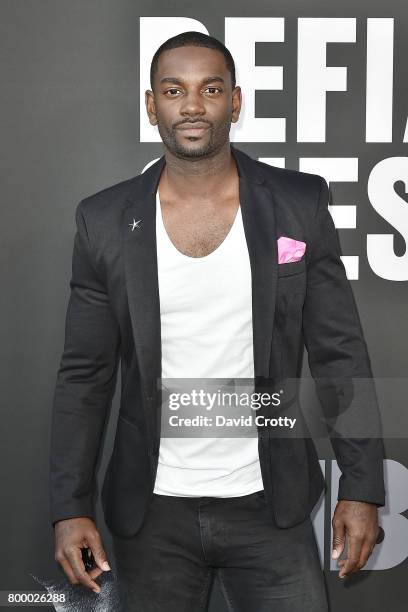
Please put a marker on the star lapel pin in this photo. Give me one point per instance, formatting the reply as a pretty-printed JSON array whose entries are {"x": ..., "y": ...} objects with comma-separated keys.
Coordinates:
[{"x": 135, "y": 224}]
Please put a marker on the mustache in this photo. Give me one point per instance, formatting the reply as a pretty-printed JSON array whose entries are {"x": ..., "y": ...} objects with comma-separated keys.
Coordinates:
[{"x": 190, "y": 121}]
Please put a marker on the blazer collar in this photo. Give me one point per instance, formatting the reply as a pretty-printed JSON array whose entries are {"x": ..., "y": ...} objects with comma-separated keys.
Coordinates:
[{"x": 140, "y": 264}]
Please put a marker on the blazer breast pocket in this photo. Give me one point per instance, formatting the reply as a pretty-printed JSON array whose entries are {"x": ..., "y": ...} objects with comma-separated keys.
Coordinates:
[{"x": 291, "y": 268}]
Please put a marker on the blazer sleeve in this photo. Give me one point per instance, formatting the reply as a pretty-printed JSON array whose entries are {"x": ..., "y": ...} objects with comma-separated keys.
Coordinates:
[
  {"x": 85, "y": 385},
  {"x": 339, "y": 363}
]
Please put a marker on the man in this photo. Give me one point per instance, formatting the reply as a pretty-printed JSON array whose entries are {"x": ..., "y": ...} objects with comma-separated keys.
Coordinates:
[{"x": 180, "y": 273}]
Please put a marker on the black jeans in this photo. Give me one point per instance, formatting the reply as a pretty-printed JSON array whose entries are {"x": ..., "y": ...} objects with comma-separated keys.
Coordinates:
[{"x": 169, "y": 565}]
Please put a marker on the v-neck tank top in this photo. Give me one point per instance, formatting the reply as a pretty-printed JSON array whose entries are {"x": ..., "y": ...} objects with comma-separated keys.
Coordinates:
[{"x": 206, "y": 332}]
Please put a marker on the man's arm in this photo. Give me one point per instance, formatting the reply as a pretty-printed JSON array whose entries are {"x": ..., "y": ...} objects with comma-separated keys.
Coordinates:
[
  {"x": 85, "y": 384},
  {"x": 86, "y": 381},
  {"x": 338, "y": 357}
]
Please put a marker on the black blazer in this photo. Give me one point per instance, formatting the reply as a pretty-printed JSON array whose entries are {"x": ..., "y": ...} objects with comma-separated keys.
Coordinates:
[{"x": 113, "y": 316}]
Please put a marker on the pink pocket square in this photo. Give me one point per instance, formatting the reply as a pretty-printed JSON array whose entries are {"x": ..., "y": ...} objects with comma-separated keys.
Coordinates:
[{"x": 290, "y": 250}]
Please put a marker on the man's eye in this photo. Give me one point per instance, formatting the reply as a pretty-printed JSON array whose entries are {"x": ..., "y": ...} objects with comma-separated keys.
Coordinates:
[{"x": 175, "y": 90}]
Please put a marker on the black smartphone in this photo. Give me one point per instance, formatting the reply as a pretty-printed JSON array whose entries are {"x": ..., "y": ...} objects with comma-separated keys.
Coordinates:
[{"x": 88, "y": 559}]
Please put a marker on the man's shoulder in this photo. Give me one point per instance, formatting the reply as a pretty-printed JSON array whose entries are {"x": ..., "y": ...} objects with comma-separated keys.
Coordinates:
[
  {"x": 294, "y": 194},
  {"x": 286, "y": 177},
  {"x": 292, "y": 186},
  {"x": 289, "y": 176},
  {"x": 111, "y": 198}
]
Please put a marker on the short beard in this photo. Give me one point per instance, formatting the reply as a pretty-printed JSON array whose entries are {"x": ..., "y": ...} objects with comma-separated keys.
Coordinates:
[{"x": 218, "y": 138}]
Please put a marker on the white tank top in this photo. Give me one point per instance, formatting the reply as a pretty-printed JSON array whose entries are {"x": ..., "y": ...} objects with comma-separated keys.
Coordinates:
[{"x": 206, "y": 332}]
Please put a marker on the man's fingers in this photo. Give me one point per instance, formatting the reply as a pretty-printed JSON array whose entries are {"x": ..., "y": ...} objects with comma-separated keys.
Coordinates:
[
  {"x": 68, "y": 571},
  {"x": 339, "y": 537},
  {"x": 78, "y": 568},
  {"x": 360, "y": 522},
  {"x": 355, "y": 544},
  {"x": 71, "y": 538},
  {"x": 98, "y": 551},
  {"x": 366, "y": 551},
  {"x": 95, "y": 572},
  {"x": 65, "y": 564},
  {"x": 349, "y": 563}
]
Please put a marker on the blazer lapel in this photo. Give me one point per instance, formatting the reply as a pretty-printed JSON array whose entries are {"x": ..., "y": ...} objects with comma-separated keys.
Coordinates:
[
  {"x": 258, "y": 216},
  {"x": 140, "y": 264}
]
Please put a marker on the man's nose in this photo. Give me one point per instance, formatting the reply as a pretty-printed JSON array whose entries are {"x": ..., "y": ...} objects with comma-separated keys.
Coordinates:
[{"x": 192, "y": 104}]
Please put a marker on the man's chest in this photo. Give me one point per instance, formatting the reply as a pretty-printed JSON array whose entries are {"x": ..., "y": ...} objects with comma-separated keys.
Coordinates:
[{"x": 197, "y": 231}]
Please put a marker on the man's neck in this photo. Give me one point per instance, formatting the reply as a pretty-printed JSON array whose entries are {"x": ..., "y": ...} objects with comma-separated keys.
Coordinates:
[{"x": 199, "y": 179}]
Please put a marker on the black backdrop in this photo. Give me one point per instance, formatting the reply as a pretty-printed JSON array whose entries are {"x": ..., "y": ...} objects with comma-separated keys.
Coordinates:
[{"x": 70, "y": 109}]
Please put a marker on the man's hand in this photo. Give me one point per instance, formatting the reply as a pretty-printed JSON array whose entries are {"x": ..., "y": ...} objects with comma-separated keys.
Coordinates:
[
  {"x": 359, "y": 520},
  {"x": 72, "y": 535}
]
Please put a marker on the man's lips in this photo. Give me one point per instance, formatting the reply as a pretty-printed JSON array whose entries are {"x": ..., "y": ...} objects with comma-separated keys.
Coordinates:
[{"x": 193, "y": 129}]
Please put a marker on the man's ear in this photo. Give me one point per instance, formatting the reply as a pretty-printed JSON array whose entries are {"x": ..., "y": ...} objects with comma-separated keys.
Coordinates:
[
  {"x": 150, "y": 106},
  {"x": 236, "y": 104}
]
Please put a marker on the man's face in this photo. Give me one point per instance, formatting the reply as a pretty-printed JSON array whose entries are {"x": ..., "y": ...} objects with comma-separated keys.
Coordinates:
[{"x": 193, "y": 103}]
